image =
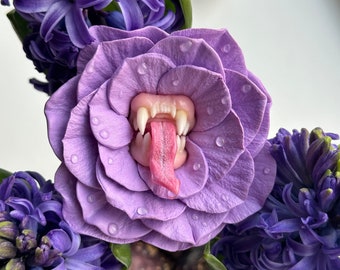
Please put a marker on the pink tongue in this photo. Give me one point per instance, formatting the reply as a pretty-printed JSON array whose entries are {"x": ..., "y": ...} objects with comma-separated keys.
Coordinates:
[{"x": 162, "y": 156}]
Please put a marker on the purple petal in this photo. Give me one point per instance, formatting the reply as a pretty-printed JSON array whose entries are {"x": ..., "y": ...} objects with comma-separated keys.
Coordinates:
[
  {"x": 120, "y": 166},
  {"x": 60, "y": 239},
  {"x": 140, "y": 74},
  {"x": 223, "y": 43},
  {"x": 206, "y": 89},
  {"x": 110, "y": 129},
  {"x": 97, "y": 4},
  {"x": 132, "y": 14},
  {"x": 221, "y": 145},
  {"x": 187, "y": 51},
  {"x": 139, "y": 205},
  {"x": 33, "y": 6}
]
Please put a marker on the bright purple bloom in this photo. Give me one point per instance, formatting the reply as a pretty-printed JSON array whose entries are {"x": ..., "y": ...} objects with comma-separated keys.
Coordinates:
[
  {"x": 33, "y": 233},
  {"x": 206, "y": 162},
  {"x": 299, "y": 225}
]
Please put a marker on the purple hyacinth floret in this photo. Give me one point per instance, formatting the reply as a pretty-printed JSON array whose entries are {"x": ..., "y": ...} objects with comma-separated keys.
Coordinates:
[
  {"x": 59, "y": 29},
  {"x": 299, "y": 225},
  {"x": 34, "y": 235}
]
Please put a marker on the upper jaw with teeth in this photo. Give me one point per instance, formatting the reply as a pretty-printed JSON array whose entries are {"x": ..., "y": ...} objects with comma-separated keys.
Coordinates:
[{"x": 147, "y": 107}]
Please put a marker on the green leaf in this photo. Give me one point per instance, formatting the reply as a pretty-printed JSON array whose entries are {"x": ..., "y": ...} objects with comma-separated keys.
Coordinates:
[
  {"x": 213, "y": 262},
  {"x": 113, "y": 6},
  {"x": 187, "y": 13},
  {"x": 122, "y": 253},
  {"x": 4, "y": 174},
  {"x": 19, "y": 24}
]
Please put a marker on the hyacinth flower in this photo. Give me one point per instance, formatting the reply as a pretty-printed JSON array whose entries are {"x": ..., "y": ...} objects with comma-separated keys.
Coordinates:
[
  {"x": 53, "y": 32},
  {"x": 299, "y": 225},
  {"x": 34, "y": 235}
]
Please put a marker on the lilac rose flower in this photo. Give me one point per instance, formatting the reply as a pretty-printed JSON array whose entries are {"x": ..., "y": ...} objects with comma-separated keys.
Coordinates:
[{"x": 162, "y": 137}]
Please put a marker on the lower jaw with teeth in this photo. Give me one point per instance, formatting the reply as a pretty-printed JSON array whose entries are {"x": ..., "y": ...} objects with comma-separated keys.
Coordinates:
[{"x": 161, "y": 123}]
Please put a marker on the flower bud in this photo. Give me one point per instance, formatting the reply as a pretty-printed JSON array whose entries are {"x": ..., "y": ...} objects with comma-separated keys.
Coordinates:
[
  {"x": 26, "y": 241},
  {"x": 15, "y": 264},
  {"x": 7, "y": 249},
  {"x": 8, "y": 230}
]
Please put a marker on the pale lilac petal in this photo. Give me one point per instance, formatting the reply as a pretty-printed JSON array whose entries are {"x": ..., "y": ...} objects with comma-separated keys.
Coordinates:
[
  {"x": 57, "y": 110},
  {"x": 80, "y": 148},
  {"x": 109, "y": 129},
  {"x": 124, "y": 173},
  {"x": 265, "y": 171},
  {"x": 139, "y": 205},
  {"x": 206, "y": 89},
  {"x": 140, "y": 74},
  {"x": 105, "y": 60},
  {"x": 221, "y": 145},
  {"x": 226, "y": 47},
  {"x": 249, "y": 103},
  {"x": 220, "y": 196},
  {"x": 186, "y": 51},
  {"x": 33, "y": 6}
]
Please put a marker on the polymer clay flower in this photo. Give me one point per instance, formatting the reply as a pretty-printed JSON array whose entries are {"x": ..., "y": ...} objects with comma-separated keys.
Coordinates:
[
  {"x": 299, "y": 225},
  {"x": 162, "y": 137},
  {"x": 34, "y": 235}
]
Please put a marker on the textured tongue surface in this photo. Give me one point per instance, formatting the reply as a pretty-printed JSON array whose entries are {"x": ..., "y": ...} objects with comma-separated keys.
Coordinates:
[{"x": 162, "y": 156}]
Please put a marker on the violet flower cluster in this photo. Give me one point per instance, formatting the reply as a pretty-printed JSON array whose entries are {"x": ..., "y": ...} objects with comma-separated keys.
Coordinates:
[
  {"x": 299, "y": 225},
  {"x": 34, "y": 234},
  {"x": 57, "y": 30}
]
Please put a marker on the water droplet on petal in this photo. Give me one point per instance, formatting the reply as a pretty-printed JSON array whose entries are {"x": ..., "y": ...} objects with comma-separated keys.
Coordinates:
[
  {"x": 112, "y": 228},
  {"x": 246, "y": 88},
  {"x": 196, "y": 166},
  {"x": 95, "y": 121},
  {"x": 210, "y": 110},
  {"x": 204, "y": 224},
  {"x": 224, "y": 100},
  {"x": 225, "y": 197},
  {"x": 184, "y": 47},
  {"x": 194, "y": 216},
  {"x": 110, "y": 161},
  {"x": 266, "y": 170},
  {"x": 220, "y": 141},
  {"x": 104, "y": 134},
  {"x": 142, "y": 211},
  {"x": 90, "y": 67},
  {"x": 90, "y": 198},
  {"x": 226, "y": 48},
  {"x": 175, "y": 82},
  {"x": 74, "y": 159},
  {"x": 142, "y": 69}
]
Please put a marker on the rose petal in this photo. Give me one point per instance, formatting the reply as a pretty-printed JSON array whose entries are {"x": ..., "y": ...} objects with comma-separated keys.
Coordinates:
[
  {"x": 265, "y": 171},
  {"x": 57, "y": 111},
  {"x": 249, "y": 103},
  {"x": 80, "y": 147},
  {"x": 221, "y": 145},
  {"x": 187, "y": 51},
  {"x": 223, "y": 43},
  {"x": 219, "y": 196},
  {"x": 105, "y": 61},
  {"x": 110, "y": 129},
  {"x": 136, "y": 75},
  {"x": 96, "y": 212},
  {"x": 206, "y": 89},
  {"x": 120, "y": 166},
  {"x": 139, "y": 205}
]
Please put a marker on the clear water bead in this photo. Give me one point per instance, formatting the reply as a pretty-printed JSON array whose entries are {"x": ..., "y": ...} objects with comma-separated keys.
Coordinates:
[
  {"x": 175, "y": 82},
  {"x": 246, "y": 88},
  {"x": 104, "y": 134},
  {"x": 74, "y": 159},
  {"x": 194, "y": 216},
  {"x": 226, "y": 48},
  {"x": 266, "y": 170},
  {"x": 142, "y": 69},
  {"x": 210, "y": 110},
  {"x": 220, "y": 141},
  {"x": 112, "y": 228},
  {"x": 94, "y": 121},
  {"x": 224, "y": 100},
  {"x": 196, "y": 166},
  {"x": 110, "y": 161},
  {"x": 90, "y": 198},
  {"x": 142, "y": 211},
  {"x": 184, "y": 47}
]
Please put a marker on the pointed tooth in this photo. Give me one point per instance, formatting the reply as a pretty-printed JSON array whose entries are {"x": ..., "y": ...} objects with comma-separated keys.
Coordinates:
[
  {"x": 186, "y": 129},
  {"x": 182, "y": 145},
  {"x": 154, "y": 110},
  {"x": 181, "y": 121},
  {"x": 178, "y": 141},
  {"x": 173, "y": 111},
  {"x": 142, "y": 119}
]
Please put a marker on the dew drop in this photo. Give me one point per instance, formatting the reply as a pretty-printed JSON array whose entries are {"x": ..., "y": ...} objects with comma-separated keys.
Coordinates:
[
  {"x": 224, "y": 100},
  {"x": 110, "y": 161},
  {"x": 104, "y": 134},
  {"x": 224, "y": 197},
  {"x": 184, "y": 47},
  {"x": 142, "y": 69},
  {"x": 112, "y": 228},
  {"x": 90, "y": 198},
  {"x": 90, "y": 67},
  {"x": 246, "y": 88},
  {"x": 196, "y": 166},
  {"x": 194, "y": 216},
  {"x": 95, "y": 121},
  {"x": 74, "y": 159},
  {"x": 220, "y": 141},
  {"x": 226, "y": 48},
  {"x": 142, "y": 211},
  {"x": 175, "y": 82},
  {"x": 210, "y": 110},
  {"x": 266, "y": 170},
  {"x": 204, "y": 224}
]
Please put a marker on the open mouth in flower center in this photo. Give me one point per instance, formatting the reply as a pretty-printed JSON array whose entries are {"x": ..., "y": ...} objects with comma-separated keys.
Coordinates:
[{"x": 161, "y": 123}]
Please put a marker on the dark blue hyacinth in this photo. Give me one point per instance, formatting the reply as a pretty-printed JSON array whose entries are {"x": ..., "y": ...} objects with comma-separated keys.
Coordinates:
[
  {"x": 33, "y": 234},
  {"x": 299, "y": 225},
  {"x": 58, "y": 29}
]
